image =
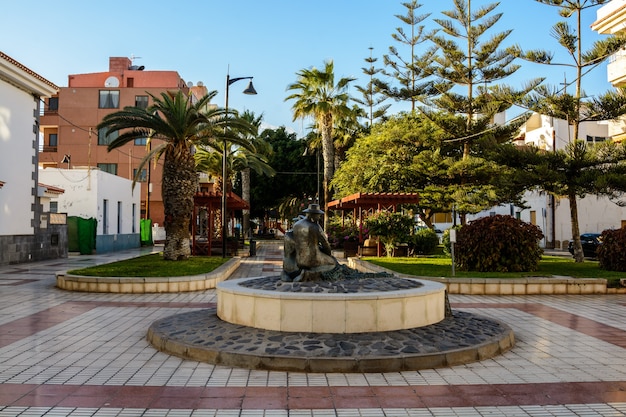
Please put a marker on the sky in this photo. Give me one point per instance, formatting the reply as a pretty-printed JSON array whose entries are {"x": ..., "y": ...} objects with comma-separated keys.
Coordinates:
[{"x": 270, "y": 40}]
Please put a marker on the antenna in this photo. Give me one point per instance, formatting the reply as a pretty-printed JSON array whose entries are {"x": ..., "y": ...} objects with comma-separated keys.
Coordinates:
[{"x": 133, "y": 58}]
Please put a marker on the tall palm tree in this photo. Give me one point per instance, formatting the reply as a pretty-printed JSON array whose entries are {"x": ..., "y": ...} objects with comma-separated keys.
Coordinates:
[
  {"x": 252, "y": 156},
  {"x": 180, "y": 124},
  {"x": 256, "y": 160},
  {"x": 316, "y": 95}
]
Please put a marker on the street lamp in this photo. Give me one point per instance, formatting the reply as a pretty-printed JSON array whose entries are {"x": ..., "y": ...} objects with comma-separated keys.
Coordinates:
[{"x": 250, "y": 91}]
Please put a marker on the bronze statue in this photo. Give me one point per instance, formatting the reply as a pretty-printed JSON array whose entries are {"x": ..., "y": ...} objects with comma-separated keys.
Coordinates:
[{"x": 307, "y": 251}]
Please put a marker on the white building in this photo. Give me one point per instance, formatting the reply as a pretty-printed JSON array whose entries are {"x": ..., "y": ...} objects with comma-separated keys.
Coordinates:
[
  {"x": 611, "y": 20},
  {"x": 552, "y": 215},
  {"x": 26, "y": 231},
  {"x": 107, "y": 198}
]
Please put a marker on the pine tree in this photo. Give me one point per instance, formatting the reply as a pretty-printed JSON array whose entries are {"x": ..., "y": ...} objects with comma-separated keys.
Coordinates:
[
  {"x": 465, "y": 61},
  {"x": 409, "y": 71},
  {"x": 372, "y": 97}
]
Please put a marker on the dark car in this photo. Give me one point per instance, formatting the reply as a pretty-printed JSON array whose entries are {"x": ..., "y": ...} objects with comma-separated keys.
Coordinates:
[{"x": 590, "y": 243}]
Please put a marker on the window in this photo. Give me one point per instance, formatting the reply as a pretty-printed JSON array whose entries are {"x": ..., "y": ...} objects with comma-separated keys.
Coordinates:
[
  {"x": 53, "y": 139},
  {"x": 54, "y": 207},
  {"x": 141, "y": 141},
  {"x": 141, "y": 102},
  {"x": 595, "y": 139},
  {"x": 53, "y": 104},
  {"x": 109, "y": 99},
  {"x": 143, "y": 176},
  {"x": 110, "y": 168},
  {"x": 104, "y": 139}
]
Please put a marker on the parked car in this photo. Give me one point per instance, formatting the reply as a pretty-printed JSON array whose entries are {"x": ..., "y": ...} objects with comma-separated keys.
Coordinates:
[
  {"x": 439, "y": 233},
  {"x": 590, "y": 243}
]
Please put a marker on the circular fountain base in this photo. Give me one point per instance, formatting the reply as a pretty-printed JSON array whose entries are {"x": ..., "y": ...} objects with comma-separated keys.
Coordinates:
[
  {"x": 459, "y": 339},
  {"x": 368, "y": 325}
]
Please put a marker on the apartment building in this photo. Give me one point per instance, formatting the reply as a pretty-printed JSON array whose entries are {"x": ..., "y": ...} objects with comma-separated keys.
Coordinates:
[
  {"x": 611, "y": 20},
  {"x": 69, "y": 120}
]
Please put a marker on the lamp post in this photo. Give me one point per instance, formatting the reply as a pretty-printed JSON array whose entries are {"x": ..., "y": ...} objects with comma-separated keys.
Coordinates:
[{"x": 250, "y": 91}]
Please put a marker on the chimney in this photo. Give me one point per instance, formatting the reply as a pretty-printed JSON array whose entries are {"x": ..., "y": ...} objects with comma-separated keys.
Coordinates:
[{"x": 119, "y": 64}]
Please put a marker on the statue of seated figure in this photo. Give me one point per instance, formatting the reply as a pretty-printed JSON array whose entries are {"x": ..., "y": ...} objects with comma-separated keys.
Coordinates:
[{"x": 307, "y": 251}]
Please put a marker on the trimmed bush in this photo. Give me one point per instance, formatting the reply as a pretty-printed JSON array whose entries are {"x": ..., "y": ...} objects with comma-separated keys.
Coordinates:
[
  {"x": 611, "y": 254},
  {"x": 423, "y": 242},
  {"x": 498, "y": 244}
]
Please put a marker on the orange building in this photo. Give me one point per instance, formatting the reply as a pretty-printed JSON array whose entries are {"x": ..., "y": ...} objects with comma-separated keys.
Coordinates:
[{"x": 70, "y": 137}]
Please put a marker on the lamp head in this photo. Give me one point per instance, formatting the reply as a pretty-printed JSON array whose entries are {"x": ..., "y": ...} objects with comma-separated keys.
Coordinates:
[{"x": 250, "y": 90}]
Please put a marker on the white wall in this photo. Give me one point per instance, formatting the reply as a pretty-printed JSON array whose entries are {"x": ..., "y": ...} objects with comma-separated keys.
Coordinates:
[
  {"x": 85, "y": 192},
  {"x": 595, "y": 214},
  {"x": 17, "y": 156}
]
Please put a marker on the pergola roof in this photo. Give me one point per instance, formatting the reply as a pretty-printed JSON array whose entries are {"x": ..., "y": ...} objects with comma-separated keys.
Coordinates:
[
  {"x": 210, "y": 199},
  {"x": 373, "y": 201}
]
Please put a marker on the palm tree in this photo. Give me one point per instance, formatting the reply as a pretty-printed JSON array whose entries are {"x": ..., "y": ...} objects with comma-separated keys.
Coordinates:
[
  {"x": 180, "y": 124},
  {"x": 316, "y": 95},
  {"x": 253, "y": 160},
  {"x": 251, "y": 154}
]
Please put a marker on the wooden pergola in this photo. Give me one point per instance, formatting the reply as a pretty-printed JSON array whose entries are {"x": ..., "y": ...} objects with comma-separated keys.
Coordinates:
[
  {"x": 206, "y": 207},
  {"x": 363, "y": 204},
  {"x": 373, "y": 201}
]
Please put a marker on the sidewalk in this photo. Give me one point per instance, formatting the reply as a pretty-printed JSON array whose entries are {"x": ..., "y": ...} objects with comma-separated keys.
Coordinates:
[{"x": 83, "y": 354}]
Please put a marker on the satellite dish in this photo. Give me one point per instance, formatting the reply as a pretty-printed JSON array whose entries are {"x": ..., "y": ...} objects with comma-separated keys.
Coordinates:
[
  {"x": 200, "y": 83},
  {"x": 112, "y": 82},
  {"x": 189, "y": 84},
  {"x": 141, "y": 68}
]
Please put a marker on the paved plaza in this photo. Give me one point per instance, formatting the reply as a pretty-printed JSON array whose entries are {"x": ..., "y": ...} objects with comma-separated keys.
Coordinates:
[{"x": 85, "y": 354}]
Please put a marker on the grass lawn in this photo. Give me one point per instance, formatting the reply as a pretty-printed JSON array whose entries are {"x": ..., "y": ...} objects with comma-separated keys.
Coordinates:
[
  {"x": 153, "y": 265},
  {"x": 441, "y": 266}
]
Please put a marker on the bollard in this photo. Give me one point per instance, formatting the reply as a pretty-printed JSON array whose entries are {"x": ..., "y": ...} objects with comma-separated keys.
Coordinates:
[{"x": 252, "y": 247}]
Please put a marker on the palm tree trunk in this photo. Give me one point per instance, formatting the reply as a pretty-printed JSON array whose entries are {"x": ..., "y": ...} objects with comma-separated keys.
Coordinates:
[
  {"x": 179, "y": 186},
  {"x": 328, "y": 151},
  {"x": 245, "y": 194}
]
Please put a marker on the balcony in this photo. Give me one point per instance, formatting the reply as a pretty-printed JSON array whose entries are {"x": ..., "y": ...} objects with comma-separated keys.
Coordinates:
[
  {"x": 48, "y": 148},
  {"x": 610, "y": 18},
  {"x": 616, "y": 69}
]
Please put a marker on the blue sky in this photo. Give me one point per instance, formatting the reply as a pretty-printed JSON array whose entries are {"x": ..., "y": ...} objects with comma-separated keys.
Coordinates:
[{"x": 270, "y": 40}]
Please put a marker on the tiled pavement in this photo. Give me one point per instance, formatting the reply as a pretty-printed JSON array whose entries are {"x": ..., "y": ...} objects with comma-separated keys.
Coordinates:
[{"x": 81, "y": 354}]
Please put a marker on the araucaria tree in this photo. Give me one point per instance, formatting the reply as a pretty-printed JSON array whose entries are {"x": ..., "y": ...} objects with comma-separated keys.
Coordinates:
[
  {"x": 372, "y": 98},
  {"x": 316, "y": 95},
  {"x": 409, "y": 70},
  {"x": 576, "y": 108},
  {"x": 467, "y": 66},
  {"x": 176, "y": 123}
]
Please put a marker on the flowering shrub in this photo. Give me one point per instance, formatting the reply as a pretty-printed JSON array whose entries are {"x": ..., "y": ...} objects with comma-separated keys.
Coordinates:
[
  {"x": 338, "y": 233},
  {"x": 391, "y": 227}
]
